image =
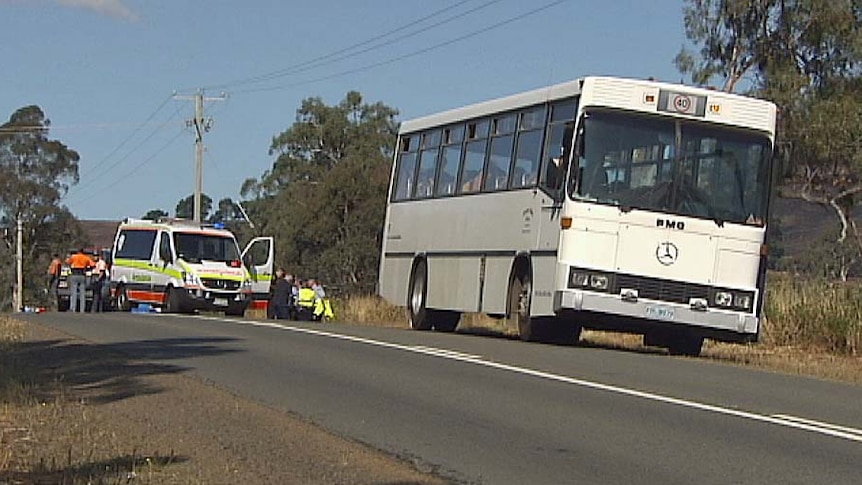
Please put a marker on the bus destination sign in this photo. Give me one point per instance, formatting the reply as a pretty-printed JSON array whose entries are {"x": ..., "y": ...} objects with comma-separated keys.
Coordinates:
[{"x": 686, "y": 104}]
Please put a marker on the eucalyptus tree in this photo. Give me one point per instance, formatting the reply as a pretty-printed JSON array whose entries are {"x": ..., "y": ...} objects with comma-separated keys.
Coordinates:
[
  {"x": 325, "y": 196},
  {"x": 35, "y": 173},
  {"x": 805, "y": 55}
]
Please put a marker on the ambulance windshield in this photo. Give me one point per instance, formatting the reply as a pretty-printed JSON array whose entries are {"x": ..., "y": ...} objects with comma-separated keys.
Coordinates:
[{"x": 199, "y": 247}]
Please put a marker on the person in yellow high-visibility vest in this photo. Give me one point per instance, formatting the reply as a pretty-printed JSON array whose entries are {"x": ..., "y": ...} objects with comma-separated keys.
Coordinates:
[
  {"x": 322, "y": 307},
  {"x": 305, "y": 302}
]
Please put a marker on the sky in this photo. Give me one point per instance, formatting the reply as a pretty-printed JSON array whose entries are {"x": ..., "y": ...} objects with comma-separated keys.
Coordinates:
[{"x": 113, "y": 75}]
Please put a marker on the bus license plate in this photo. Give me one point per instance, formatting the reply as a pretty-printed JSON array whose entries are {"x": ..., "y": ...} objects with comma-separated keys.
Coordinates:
[
  {"x": 220, "y": 301},
  {"x": 659, "y": 312}
]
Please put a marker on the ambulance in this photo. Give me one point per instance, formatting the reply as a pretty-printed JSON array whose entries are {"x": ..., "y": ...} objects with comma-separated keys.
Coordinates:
[{"x": 180, "y": 266}]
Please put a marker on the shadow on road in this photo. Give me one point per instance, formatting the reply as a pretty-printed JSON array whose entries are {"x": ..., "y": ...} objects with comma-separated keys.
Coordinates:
[{"x": 102, "y": 372}]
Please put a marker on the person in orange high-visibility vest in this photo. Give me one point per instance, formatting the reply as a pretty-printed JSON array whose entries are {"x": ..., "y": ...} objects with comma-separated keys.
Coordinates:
[
  {"x": 79, "y": 263},
  {"x": 54, "y": 279}
]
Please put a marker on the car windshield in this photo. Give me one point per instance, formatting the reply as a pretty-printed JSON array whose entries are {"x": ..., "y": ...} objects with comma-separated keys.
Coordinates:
[
  {"x": 674, "y": 166},
  {"x": 197, "y": 247}
]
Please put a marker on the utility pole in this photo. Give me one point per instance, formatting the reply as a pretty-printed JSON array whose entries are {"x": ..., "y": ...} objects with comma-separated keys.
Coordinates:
[
  {"x": 19, "y": 264},
  {"x": 201, "y": 126}
]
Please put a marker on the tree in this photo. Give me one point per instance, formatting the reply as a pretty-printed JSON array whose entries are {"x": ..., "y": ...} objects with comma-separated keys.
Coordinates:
[
  {"x": 154, "y": 214},
  {"x": 35, "y": 173},
  {"x": 325, "y": 197},
  {"x": 732, "y": 35},
  {"x": 226, "y": 211},
  {"x": 805, "y": 55},
  {"x": 186, "y": 207}
]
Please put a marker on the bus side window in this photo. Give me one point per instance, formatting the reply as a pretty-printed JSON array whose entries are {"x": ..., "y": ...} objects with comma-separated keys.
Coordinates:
[
  {"x": 472, "y": 171},
  {"x": 406, "y": 174}
]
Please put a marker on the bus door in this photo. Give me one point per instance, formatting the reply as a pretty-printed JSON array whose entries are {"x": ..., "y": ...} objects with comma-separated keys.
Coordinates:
[{"x": 552, "y": 182}]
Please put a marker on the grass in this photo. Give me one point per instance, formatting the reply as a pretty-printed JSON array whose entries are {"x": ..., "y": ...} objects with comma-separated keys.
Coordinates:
[
  {"x": 48, "y": 437},
  {"x": 814, "y": 314}
]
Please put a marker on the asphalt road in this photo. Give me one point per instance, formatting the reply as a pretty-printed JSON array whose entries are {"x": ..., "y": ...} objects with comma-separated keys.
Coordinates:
[{"x": 497, "y": 411}]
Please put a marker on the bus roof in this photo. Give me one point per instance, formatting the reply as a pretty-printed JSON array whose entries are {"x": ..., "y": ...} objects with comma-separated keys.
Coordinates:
[{"x": 612, "y": 92}]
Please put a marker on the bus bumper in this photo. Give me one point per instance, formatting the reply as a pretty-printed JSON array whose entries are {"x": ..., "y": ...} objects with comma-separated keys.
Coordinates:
[{"x": 733, "y": 326}]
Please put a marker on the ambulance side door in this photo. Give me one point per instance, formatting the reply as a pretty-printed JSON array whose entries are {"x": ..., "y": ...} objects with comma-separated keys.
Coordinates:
[{"x": 259, "y": 259}]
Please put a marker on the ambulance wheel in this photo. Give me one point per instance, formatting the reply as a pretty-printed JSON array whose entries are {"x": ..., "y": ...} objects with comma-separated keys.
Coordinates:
[
  {"x": 123, "y": 303},
  {"x": 235, "y": 311},
  {"x": 172, "y": 301},
  {"x": 417, "y": 293}
]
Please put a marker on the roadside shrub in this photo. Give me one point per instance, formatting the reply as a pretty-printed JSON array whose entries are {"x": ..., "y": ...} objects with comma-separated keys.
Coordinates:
[{"x": 814, "y": 313}]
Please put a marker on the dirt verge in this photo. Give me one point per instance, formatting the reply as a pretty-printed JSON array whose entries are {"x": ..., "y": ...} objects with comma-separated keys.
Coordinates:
[{"x": 74, "y": 415}]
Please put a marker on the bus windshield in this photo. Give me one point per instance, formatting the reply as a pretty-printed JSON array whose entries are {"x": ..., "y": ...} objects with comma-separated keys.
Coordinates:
[
  {"x": 196, "y": 247},
  {"x": 675, "y": 166}
]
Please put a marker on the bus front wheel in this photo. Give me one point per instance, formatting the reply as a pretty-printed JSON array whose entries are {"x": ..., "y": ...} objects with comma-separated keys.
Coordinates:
[
  {"x": 417, "y": 292},
  {"x": 520, "y": 292},
  {"x": 685, "y": 344}
]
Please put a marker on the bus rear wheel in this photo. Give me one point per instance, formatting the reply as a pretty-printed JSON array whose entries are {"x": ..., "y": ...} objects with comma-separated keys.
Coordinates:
[
  {"x": 445, "y": 321},
  {"x": 417, "y": 292}
]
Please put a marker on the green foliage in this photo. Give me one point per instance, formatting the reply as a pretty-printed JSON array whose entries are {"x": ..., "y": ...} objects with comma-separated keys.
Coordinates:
[
  {"x": 325, "y": 197},
  {"x": 226, "y": 211},
  {"x": 805, "y": 55},
  {"x": 35, "y": 173},
  {"x": 154, "y": 214},
  {"x": 186, "y": 207}
]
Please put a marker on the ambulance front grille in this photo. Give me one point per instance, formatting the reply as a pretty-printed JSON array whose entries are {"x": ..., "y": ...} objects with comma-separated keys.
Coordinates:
[{"x": 216, "y": 284}]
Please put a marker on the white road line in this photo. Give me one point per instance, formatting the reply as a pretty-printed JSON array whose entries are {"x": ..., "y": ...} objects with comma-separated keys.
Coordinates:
[
  {"x": 796, "y": 419},
  {"x": 834, "y": 431}
]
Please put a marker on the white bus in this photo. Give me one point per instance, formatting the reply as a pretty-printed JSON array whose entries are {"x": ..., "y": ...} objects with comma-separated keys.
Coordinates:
[{"x": 604, "y": 203}]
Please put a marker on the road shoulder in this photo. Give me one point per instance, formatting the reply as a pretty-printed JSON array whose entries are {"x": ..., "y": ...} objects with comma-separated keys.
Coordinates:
[{"x": 160, "y": 425}]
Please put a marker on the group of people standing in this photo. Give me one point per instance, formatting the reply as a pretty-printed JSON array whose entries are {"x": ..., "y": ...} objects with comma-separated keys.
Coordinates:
[
  {"x": 79, "y": 263},
  {"x": 297, "y": 299}
]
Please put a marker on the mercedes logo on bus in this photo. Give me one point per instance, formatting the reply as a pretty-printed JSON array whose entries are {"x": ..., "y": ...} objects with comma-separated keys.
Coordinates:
[{"x": 666, "y": 253}]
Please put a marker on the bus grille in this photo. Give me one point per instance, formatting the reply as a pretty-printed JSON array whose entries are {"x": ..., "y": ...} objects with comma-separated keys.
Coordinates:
[
  {"x": 215, "y": 284},
  {"x": 661, "y": 290}
]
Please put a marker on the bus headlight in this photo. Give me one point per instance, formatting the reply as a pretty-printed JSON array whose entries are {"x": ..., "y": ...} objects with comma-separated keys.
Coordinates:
[
  {"x": 591, "y": 280},
  {"x": 723, "y": 299},
  {"x": 733, "y": 299},
  {"x": 599, "y": 282},
  {"x": 742, "y": 300},
  {"x": 579, "y": 279}
]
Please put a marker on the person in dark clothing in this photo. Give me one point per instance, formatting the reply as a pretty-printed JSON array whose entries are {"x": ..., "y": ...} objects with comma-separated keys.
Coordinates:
[{"x": 281, "y": 296}]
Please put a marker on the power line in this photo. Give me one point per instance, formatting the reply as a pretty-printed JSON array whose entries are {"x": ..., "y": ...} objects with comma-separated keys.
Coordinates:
[
  {"x": 23, "y": 129},
  {"x": 410, "y": 54},
  {"x": 135, "y": 168},
  {"x": 302, "y": 66},
  {"x": 120, "y": 160},
  {"x": 332, "y": 59},
  {"x": 128, "y": 138}
]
